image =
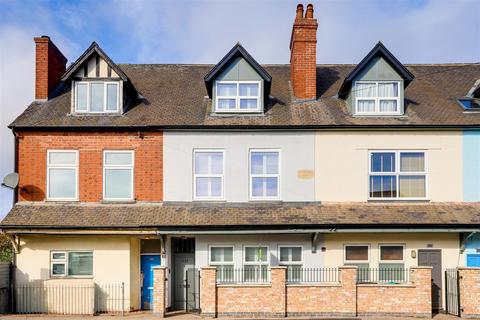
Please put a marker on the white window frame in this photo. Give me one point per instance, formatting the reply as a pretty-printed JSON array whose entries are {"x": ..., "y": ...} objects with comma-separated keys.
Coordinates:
[
  {"x": 356, "y": 245},
  {"x": 256, "y": 263},
  {"x": 105, "y": 85},
  {"x": 65, "y": 262},
  {"x": 66, "y": 166},
  {"x": 117, "y": 167},
  {"x": 377, "y": 98},
  {"x": 222, "y": 176},
  {"x": 238, "y": 97},
  {"x": 288, "y": 263},
  {"x": 221, "y": 263},
  {"x": 398, "y": 174},
  {"x": 391, "y": 245},
  {"x": 251, "y": 175}
]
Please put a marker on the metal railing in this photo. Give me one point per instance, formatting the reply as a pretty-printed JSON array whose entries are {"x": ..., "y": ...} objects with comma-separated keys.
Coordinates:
[
  {"x": 69, "y": 298},
  {"x": 312, "y": 275},
  {"x": 252, "y": 275},
  {"x": 383, "y": 275}
]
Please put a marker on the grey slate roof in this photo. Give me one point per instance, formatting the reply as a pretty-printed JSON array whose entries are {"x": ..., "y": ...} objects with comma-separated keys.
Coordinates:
[
  {"x": 175, "y": 96},
  {"x": 246, "y": 216}
]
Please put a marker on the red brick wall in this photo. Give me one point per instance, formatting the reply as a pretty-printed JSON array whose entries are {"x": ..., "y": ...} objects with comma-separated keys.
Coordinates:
[
  {"x": 49, "y": 67},
  {"x": 148, "y": 169},
  {"x": 469, "y": 292}
]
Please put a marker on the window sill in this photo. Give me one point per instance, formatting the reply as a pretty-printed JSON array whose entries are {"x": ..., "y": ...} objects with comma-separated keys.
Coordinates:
[
  {"x": 61, "y": 200},
  {"x": 398, "y": 200},
  {"x": 118, "y": 201}
]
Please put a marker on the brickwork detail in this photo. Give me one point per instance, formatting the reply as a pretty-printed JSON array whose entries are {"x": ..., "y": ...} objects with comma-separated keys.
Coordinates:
[
  {"x": 49, "y": 67},
  {"x": 148, "y": 162},
  {"x": 469, "y": 279},
  {"x": 208, "y": 291},
  {"x": 159, "y": 292}
]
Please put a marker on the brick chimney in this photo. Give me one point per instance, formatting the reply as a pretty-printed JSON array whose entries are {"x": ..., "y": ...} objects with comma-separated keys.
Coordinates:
[
  {"x": 49, "y": 67},
  {"x": 303, "y": 51}
]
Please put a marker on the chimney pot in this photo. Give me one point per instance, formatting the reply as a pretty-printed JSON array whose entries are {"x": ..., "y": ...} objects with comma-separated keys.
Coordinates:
[
  {"x": 299, "y": 11},
  {"x": 309, "y": 13}
]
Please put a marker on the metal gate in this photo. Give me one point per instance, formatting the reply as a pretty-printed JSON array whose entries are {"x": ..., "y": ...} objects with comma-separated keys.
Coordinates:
[
  {"x": 192, "y": 289},
  {"x": 452, "y": 292}
]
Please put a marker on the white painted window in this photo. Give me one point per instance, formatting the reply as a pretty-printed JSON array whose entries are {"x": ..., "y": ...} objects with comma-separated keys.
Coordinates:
[
  {"x": 256, "y": 263},
  {"x": 264, "y": 174},
  {"x": 392, "y": 262},
  {"x": 208, "y": 174},
  {"x": 291, "y": 257},
  {"x": 222, "y": 258},
  {"x": 237, "y": 96},
  {"x": 97, "y": 97},
  {"x": 62, "y": 175},
  {"x": 357, "y": 253},
  {"x": 377, "y": 97},
  {"x": 71, "y": 264},
  {"x": 397, "y": 175},
  {"x": 118, "y": 175}
]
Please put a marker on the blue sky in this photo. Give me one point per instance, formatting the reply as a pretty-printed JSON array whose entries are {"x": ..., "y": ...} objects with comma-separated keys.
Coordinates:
[{"x": 143, "y": 31}]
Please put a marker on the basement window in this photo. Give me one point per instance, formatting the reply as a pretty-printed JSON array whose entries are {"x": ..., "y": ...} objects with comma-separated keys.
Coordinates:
[{"x": 96, "y": 97}]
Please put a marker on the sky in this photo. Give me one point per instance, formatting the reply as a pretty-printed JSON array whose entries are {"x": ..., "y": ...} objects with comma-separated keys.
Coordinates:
[{"x": 202, "y": 31}]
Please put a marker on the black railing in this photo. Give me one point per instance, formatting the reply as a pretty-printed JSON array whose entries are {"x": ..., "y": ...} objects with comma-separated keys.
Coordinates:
[
  {"x": 312, "y": 275},
  {"x": 383, "y": 275},
  {"x": 253, "y": 274}
]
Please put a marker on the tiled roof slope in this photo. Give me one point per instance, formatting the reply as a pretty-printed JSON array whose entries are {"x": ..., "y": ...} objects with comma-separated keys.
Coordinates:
[
  {"x": 247, "y": 216},
  {"x": 175, "y": 96}
]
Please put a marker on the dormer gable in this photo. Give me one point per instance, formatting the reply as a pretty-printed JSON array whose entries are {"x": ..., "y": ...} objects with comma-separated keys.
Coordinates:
[
  {"x": 238, "y": 84},
  {"x": 99, "y": 86},
  {"x": 376, "y": 85}
]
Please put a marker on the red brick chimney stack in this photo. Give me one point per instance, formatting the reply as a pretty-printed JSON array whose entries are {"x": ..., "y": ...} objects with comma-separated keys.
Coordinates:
[
  {"x": 303, "y": 54},
  {"x": 49, "y": 67}
]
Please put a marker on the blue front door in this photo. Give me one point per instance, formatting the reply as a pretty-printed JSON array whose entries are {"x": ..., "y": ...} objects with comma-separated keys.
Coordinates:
[
  {"x": 473, "y": 260},
  {"x": 146, "y": 265}
]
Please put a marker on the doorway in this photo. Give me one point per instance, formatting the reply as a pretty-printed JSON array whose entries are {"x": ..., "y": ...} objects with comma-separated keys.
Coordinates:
[
  {"x": 149, "y": 257},
  {"x": 184, "y": 297},
  {"x": 433, "y": 258}
]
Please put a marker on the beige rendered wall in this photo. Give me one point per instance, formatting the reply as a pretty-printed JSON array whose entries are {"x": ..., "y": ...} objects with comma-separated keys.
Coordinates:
[
  {"x": 112, "y": 262},
  {"x": 447, "y": 242},
  {"x": 341, "y": 162},
  {"x": 134, "y": 273}
]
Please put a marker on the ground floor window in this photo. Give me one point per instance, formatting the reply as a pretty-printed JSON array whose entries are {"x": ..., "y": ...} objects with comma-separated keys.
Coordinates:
[
  {"x": 358, "y": 255},
  {"x": 71, "y": 263},
  {"x": 222, "y": 258},
  {"x": 256, "y": 264},
  {"x": 391, "y": 266},
  {"x": 291, "y": 257}
]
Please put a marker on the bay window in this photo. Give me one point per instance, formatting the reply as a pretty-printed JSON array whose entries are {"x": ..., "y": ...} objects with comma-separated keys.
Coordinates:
[
  {"x": 118, "y": 175},
  {"x": 96, "y": 97},
  {"x": 208, "y": 174},
  {"x": 237, "y": 96},
  {"x": 71, "y": 263},
  {"x": 264, "y": 174},
  {"x": 62, "y": 175},
  {"x": 377, "y": 97}
]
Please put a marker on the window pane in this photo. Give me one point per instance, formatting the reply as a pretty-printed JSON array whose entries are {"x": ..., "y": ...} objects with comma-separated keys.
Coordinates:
[
  {"x": 62, "y": 158},
  {"x": 209, "y": 163},
  {"x": 356, "y": 253},
  {"x": 216, "y": 254},
  {"x": 112, "y": 96},
  {"x": 383, "y": 186},
  {"x": 383, "y": 162},
  {"x": 201, "y": 162},
  {"x": 257, "y": 187},
  {"x": 256, "y": 163},
  {"x": 272, "y": 186},
  {"x": 201, "y": 187},
  {"x": 62, "y": 183},
  {"x": 392, "y": 272},
  {"x": 250, "y": 254},
  {"x": 226, "y": 104},
  {"x": 216, "y": 162},
  {"x": 118, "y": 183},
  {"x": 291, "y": 254},
  {"x": 296, "y": 254},
  {"x": 265, "y": 187},
  {"x": 285, "y": 254},
  {"x": 388, "y": 90},
  {"x": 216, "y": 187},
  {"x": 227, "y": 89},
  {"x": 388, "y": 105},
  {"x": 366, "y": 105},
  {"x": 248, "y": 103},
  {"x": 96, "y": 97},
  {"x": 118, "y": 158},
  {"x": 228, "y": 254},
  {"x": 412, "y": 186},
  {"x": 58, "y": 256},
  {"x": 249, "y": 89},
  {"x": 366, "y": 90},
  {"x": 82, "y": 96},
  {"x": 412, "y": 162},
  {"x": 391, "y": 253},
  {"x": 58, "y": 269},
  {"x": 80, "y": 263},
  {"x": 272, "y": 162}
]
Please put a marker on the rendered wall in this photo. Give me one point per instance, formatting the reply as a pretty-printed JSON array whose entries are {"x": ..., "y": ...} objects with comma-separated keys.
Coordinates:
[{"x": 471, "y": 166}]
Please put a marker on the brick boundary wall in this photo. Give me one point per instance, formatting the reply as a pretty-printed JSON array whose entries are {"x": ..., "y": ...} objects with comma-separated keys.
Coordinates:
[
  {"x": 469, "y": 290},
  {"x": 278, "y": 299},
  {"x": 159, "y": 292}
]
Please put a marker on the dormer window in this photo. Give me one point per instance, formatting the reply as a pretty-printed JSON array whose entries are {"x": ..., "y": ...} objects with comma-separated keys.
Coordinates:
[
  {"x": 96, "y": 97},
  {"x": 237, "y": 96},
  {"x": 377, "y": 97}
]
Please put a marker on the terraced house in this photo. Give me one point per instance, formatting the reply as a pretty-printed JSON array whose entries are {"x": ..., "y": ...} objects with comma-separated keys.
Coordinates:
[{"x": 252, "y": 174}]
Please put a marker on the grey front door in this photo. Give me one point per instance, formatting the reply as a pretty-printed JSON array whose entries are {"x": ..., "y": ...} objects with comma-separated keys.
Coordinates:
[
  {"x": 181, "y": 262},
  {"x": 433, "y": 258}
]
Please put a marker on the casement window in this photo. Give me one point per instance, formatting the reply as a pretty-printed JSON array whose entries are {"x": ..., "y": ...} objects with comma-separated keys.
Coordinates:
[
  {"x": 358, "y": 255},
  {"x": 264, "y": 174},
  {"x": 71, "y": 263},
  {"x": 237, "y": 96},
  {"x": 291, "y": 257},
  {"x": 377, "y": 97},
  {"x": 391, "y": 263},
  {"x": 397, "y": 175},
  {"x": 255, "y": 264},
  {"x": 97, "y": 97},
  {"x": 208, "y": 174},
  {"x": 62, "y": 175},
  {"x": 222, "y": 258},
  {"x": 118, "y": 175}
]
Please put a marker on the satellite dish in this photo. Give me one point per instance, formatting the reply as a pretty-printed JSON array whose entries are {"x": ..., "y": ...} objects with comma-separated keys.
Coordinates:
[{"x": 10, "y": 180}]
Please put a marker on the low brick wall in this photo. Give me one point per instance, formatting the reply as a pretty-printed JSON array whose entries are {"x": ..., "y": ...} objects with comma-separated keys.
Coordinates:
[
  {"x": 469, "y": 281},
  {"x": 413, "y": 299},
  {"x": 159, "y": 292}
]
